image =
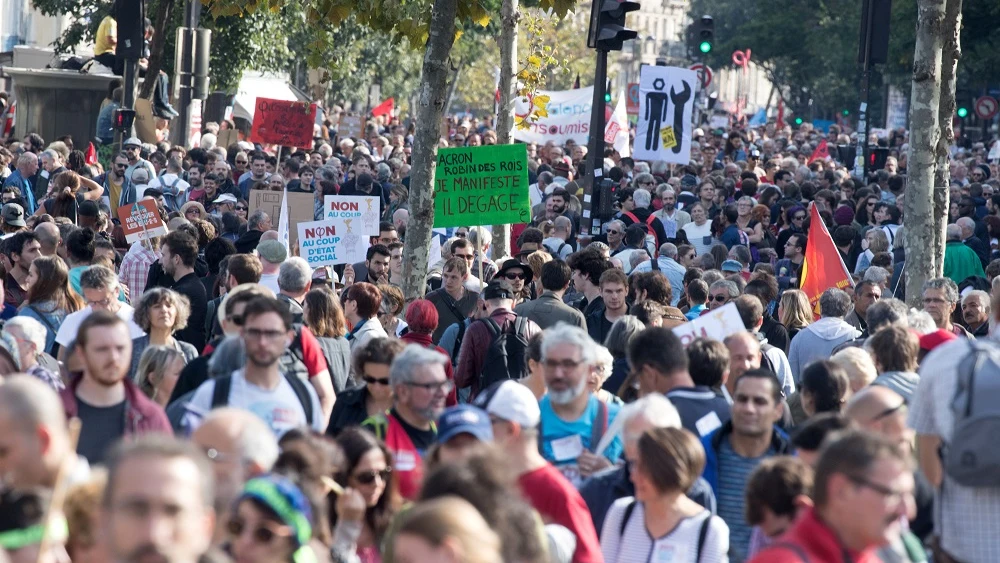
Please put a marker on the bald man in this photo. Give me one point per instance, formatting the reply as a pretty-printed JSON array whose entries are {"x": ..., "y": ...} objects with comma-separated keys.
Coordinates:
[
  {"x": 880, "y": 410},
  {"x": 48, "y": 236},
  {"x": 744, "y": 355},
  {"x": 34, "y": 441},
  {"x": 241, "y": 446}
]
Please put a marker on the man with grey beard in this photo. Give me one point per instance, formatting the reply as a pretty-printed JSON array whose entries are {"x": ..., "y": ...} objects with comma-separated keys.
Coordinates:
[{"x": 573, "y": 421}]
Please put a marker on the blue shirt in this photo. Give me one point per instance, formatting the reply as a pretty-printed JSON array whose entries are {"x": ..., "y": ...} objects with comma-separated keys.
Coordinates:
[
  {"x": 15, "y": 179},
  {"x": 563, "y": 441},
  {"x": 734, "y": 470},
  {"x": 694, "y": 312}
]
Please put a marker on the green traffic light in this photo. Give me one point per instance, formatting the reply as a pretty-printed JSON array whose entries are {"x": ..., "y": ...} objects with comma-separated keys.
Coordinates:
[
  {"x": 705, "y": 47},
  {"x": 607, "y": 98},
  {"x": 846, "y": 112},
  {"x": 962, "y": 112},
  {"x": 798, "y": 121}
]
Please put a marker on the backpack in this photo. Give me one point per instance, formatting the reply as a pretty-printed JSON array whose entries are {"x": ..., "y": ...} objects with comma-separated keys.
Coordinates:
[
  {"x": 766, "y": 362},
  {"x": 557, "y": 252},
  {"x": 506, "y": 358},
  {"x": 220, "y": 395},
  {"x": 702, "y": 531},
  {"x": 651, "y": 236},
  {"x": 970, "y": 456}
]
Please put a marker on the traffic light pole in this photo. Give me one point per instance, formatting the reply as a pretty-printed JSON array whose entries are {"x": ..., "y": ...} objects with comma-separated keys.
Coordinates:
[
  {"x": 864, "y": 127},
  {"x": 590, "y": 223}
]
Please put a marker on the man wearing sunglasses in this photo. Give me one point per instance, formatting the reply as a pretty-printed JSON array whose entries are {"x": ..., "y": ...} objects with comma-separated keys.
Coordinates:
[{"x": 790, "y": 267}]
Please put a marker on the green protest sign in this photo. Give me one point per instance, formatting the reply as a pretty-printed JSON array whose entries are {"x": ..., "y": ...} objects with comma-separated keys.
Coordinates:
[{"x": 485, "y": 185}]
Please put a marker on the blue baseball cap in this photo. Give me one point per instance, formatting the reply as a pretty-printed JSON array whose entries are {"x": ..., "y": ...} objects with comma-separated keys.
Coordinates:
[{"x": 464, "y": 419}]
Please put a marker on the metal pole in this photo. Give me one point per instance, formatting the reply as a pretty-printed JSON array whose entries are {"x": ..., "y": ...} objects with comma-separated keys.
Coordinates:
[
  {"x": 589, "y": 223},
  {"x": 128, "y": 99},
  {"x": 860, "y": 162}
]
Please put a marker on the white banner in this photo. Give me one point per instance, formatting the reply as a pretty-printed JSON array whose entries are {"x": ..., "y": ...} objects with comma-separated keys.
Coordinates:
[
  {"x": 358, "y": 209},
  {"x": 616, "y": 131},
  {"x": 666, "y": 101},
  {"x": 897, "y": 109},
  {"x": 717, "y": 325},
  {"x": 325, "y": 243},
  {"x": 569, "y": 117}
]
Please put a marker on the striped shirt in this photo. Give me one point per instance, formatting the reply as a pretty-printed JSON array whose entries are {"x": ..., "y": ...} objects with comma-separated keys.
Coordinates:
[
  {"x": 734, "y": 470},
  {"x": 680, "y": 545}
]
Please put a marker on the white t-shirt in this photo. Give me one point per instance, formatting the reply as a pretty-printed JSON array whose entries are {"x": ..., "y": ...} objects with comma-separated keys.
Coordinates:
[
  {"x": 71, "y": 324},
  {"x": 270, "y": 281},
  {"x": 678, "y": 546},
  {"x": 279, "y": 407},
  {"x": 699, "y": 237},
  {"x": 168, "y": 180}
]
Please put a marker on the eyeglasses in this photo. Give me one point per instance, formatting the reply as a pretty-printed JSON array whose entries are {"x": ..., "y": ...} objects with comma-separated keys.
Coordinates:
[
  {"x": 261, "y": 534},
  {"x": 870, "y": 204},
  {"x": 447, "y": 385},
  {"x": 718, "y": 298},
  {"x": 514, "y": 276},
  {"x": 610, "y": 232},
  {"x": 236, "y": 319},
  {"x": 258, "y": 333},
  {"x": 565, "y": 364},
  {"x": 241, "y": 208},
  {"x": 375, "y": 380},
  {"x": 799, "y": 218},
  {"x": 461, "y": 235},
  {"x": 102, "y": 303},
  {"x": 890, "y": 494},
  {"x": 368, "y": 477},
  {"x": 241, "y": 162}
]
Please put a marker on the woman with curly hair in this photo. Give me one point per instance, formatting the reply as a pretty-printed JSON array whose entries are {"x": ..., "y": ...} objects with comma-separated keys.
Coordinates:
[{"x": 160, "y": 312}]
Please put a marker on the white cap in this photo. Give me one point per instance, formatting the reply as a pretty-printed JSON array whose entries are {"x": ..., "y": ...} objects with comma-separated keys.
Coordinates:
[
  {"x": 699, "y": 132},
  {"x": 511, "y": 401},
  {"x": 224, "y": 198}
]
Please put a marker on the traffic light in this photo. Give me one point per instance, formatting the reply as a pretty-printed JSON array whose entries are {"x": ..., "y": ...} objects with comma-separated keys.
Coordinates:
[
  {"x": 798, "y": 121},
  {"x": 705, "y": 34},
  {"x": 846, "y": 112},
  {"x": 607, "y": 93},
  {"x": 123, "y": 120},
  {"x": 607, "y": 24},
  {"x": 962, "y": 111}
]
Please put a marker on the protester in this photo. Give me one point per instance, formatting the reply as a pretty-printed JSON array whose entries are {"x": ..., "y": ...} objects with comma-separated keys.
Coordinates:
[{"x": 160, "y": 313}]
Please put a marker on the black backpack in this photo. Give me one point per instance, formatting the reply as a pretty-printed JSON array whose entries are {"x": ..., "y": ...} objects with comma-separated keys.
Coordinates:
[
  {"x": 506, "y": 358},
  {"x": 220, "y": 395}
]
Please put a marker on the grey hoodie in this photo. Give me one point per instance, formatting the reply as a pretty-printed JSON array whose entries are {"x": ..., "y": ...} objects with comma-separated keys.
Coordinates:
[
  {"x": 817, "y": 341},
  {"x": 902, "y": 382}
]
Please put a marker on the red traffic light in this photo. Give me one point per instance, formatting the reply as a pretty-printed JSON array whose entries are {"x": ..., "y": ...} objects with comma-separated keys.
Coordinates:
[{"x": 123, "y": 119}]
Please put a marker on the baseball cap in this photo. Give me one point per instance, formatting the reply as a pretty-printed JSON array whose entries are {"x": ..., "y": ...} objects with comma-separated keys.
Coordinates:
[
  {"x": 731, "y": 266},
  {"x": 273, "y": 251},
  {"x": 13, "y": 214},
  {"x": 511, "y": 401},
  {"x": 498, "y": 289},
  {"x": 932, "y": 340},
  {"x": 464, "y": 419},
  {"x": 132, "y": 142},
  {"x": 225, "y": 198}
]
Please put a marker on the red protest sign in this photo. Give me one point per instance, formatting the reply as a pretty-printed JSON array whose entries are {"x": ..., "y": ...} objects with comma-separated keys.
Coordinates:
[
  {"x": 141, "y": 220},
  {"x": 279, "y": 122}
]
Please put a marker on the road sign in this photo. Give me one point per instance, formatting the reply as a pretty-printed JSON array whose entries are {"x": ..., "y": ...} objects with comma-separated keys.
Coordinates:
[
  {"x": 632, "y": 100},
  {"x": 986, "y": 107},
  {"x": 704, "y": 74}
]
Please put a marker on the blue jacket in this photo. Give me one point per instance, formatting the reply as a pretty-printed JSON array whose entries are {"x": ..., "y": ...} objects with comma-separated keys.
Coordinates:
[
  {"x": 779, "y": 441},
  {"x": 602, "y": 489}
]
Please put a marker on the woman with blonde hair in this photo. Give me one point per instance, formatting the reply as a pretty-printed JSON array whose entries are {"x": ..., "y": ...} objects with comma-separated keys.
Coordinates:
[
  {"x": 446, "y": 530},
  {"x": 535, "y": 261},
  {"x": 321, "y": 312},
  {"x": 50, "y": 297},
  {"x": 159, "y": 369},
  {"x": 794, "y": 311}
]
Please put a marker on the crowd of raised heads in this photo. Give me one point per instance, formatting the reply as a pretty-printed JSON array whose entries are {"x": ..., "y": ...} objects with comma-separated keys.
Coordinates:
[{"x": 205, "y": 394}]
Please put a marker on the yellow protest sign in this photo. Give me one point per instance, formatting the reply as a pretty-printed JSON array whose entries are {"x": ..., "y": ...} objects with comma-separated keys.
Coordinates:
[{"x": 668, "y": 138}]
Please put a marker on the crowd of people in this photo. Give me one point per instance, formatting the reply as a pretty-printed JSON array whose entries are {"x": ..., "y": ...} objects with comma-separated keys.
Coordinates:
[{"x": 236, "y": 403}]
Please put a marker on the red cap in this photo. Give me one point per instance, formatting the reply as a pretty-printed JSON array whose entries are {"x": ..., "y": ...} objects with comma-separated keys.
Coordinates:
[{"x": 934, "y": 339}]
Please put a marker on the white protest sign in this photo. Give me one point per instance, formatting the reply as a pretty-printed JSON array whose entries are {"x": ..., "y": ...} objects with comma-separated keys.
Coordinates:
[
  {"x": 362, "y": 211},
  {"x": 616, "y": 131},
  {"x": 666, "y": 101},
  {"x": 568, "y": 117},
  {"x": 325, "y": 243},
  {"x": 717, "y": 325}
]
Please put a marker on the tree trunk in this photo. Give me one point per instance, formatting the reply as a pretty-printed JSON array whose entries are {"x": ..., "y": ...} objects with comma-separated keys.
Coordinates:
[
  {"x": 163, "y": 10},
  {"x": 456, "y": 73},
  {"x": 924, "y": 132},
  {"x": 509, "y": 18},
  {"x": 428, "y": 113},
  {"x": 951, "y": 52}
]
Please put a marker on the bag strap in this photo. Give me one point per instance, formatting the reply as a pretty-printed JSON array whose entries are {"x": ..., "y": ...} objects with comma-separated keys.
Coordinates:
[
  {"x": 702, "y": 536},
  {"x": 631, "y": 216},
  {"x": 599, "y": 426},
  {"x": 220, "y": 395},
  {"x": 299, "y": 387},
  {"x": 48, "y": 324},
  {"x": 625, "y": 517}
]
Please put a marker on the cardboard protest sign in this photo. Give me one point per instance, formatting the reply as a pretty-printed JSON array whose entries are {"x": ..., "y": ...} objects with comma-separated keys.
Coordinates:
[
  {"x": 350, "y": 126},
  {"x": 300, "y": 209},
  {"x": 330, "y": 242},
  {"x": 717, "y": 325},
  {"x": 226, "y": 138},
  {"x": 359, "y": 211},
  {"x": 666, "y": 103},
  {"x": 485, "y": 185},
  {"x": 141, "y": 220},
  {"x": 145, "y": 123},
  {"x": 279, "y": 122}
]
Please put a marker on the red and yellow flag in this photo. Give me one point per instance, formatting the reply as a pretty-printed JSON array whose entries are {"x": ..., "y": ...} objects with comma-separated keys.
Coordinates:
[{"x": 823, "y": 267}]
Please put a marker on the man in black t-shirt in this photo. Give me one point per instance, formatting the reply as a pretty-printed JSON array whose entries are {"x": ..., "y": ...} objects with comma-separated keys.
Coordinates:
[{"x": 179, "y": 251}]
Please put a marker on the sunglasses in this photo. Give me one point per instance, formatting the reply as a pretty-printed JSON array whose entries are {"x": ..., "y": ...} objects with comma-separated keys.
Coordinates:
[
  {"x": 375, "y": 380},
  {"x": 514, "y": 276},
  {"x": 261, "y": 534},
  {"x": 241, "y": 208},
  {"x": 241, "y": 162},
  {"x": 799, "y": 218},
  {"x": 368, "y": 477},
  {"x": 610, "y": 232},
  {"x": 718, "y": 298}
]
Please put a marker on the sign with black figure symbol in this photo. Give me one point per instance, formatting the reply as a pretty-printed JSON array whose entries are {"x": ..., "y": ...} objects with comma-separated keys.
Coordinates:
[{"x": 666, "y": 103}]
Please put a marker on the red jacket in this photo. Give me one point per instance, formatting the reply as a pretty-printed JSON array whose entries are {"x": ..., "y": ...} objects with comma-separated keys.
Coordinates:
[
  {"x": 425, "y": 341},
  {"x": 142, "y": 415},
  {"x": 815, "y": 540},
  {"x": 408, "y": 465}
]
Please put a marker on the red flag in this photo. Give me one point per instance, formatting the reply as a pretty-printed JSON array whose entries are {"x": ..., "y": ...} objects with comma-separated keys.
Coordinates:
[
  {"x": 91, "y": 155},
  {"x": 823, "y": 267},
  {"x": 781, "y": 114},
  {"x": 822, "y": 151},
  {"x": 384, "y": 108}
]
